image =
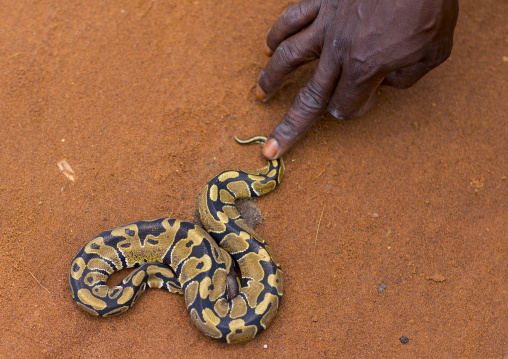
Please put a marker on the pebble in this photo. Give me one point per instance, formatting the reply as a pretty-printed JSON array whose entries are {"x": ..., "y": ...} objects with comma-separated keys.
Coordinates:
[
  {"x": 381, "y": 288},
  {"x": 404, "y": 340}
]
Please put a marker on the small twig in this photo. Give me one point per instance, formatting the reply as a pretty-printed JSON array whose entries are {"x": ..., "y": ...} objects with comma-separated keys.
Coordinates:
[
  {"x": 317, "y": 230},
  {"x": 39, "y": 282},
  {"x": 323, "y": 171}
]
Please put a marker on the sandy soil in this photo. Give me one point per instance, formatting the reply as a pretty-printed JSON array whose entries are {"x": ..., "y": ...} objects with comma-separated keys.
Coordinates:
[{"x": 143, "y": 98}]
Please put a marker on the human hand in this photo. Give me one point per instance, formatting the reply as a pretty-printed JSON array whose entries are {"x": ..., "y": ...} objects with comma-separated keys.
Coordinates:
[{"x": 360, "y": 45}]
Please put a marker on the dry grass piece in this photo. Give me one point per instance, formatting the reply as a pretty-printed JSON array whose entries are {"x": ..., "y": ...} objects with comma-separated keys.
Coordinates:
[{"x": 67, "y": 170}]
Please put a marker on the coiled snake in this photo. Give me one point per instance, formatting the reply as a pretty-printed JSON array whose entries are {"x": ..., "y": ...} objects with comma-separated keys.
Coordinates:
[{"x": 183, "y": 258}]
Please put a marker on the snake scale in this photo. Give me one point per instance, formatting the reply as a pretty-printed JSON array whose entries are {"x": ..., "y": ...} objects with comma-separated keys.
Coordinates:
[{"x": 183, "y": 258}]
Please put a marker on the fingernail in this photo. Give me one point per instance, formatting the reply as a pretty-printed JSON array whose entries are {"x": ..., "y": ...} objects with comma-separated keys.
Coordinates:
[
  {"x": 260, "y": 94},
  {"x": 267, "y": 50},
  {"x": 271, "y": 148}
]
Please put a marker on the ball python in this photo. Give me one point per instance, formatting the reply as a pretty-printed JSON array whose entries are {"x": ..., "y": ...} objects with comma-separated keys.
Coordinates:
[{"x": 184, "y": 258}]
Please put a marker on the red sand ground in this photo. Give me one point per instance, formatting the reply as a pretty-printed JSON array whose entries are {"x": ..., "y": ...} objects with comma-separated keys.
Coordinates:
[{"x": 143, "y": 98}]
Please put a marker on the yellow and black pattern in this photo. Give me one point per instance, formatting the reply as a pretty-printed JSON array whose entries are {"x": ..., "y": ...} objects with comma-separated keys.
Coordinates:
[{"x": 184, "y": 258}]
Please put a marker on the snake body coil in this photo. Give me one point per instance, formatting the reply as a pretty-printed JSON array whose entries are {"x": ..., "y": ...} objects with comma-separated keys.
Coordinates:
[{"x": 183, "y": 258}]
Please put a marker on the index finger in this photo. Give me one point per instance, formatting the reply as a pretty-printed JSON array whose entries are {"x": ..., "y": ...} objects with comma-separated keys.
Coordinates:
[{"x": 308, "y": 104}]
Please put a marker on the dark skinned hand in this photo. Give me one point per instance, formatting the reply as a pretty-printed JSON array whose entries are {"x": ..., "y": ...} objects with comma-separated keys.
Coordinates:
[{"x": 361, "y": 45}]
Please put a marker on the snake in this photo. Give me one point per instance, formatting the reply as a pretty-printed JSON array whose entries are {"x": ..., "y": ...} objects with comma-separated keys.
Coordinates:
[{"x": 186, "y": 259}]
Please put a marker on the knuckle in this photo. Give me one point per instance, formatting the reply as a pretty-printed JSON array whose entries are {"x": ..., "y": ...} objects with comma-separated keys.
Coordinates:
[
  {"x": 289, "y": 52},
  {"x": 437, "y": 54},
  {"x": 287, "y": 131},
  {"x": 402, "y": 79},
  {"x": 341, "y": 44},
  {"x": 292, "y": 15},
  {"x": 362, "y": 69},
  {"x": 264, "y": 77},
  {"x": 338, "y": 113},
  {"x": 311, "y": 99},
  {"x": 346, "y": 110}
]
